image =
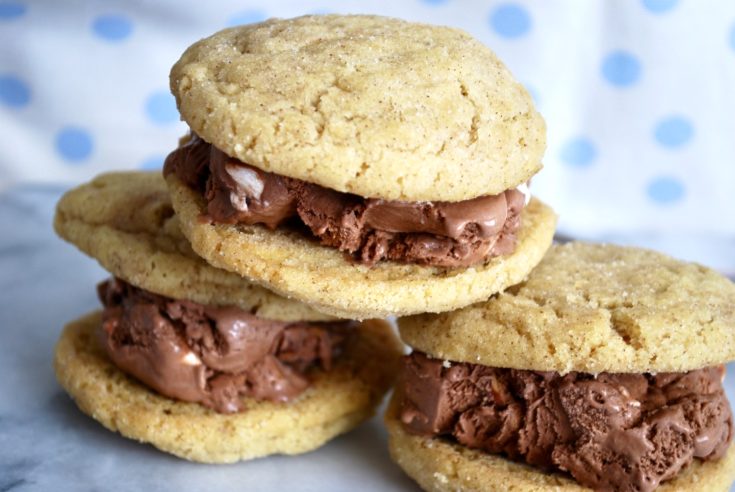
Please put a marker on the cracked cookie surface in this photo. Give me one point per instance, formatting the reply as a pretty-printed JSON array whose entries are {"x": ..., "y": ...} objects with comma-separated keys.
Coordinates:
[
  {"x": 125, "y": 221},
  {"x": 592, "y": 308},
  {"x": 375, "y": 106}
]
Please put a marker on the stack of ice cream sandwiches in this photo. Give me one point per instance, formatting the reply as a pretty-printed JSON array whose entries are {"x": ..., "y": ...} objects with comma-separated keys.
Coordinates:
[
  {"x": 336, "y": 166},
  {"x": 198, "y": 361},
  {"x": 344, "y": 168}
]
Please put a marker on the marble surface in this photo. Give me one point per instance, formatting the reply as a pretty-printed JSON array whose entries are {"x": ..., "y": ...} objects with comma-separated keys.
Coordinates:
[{"x": 47, "y": 444}]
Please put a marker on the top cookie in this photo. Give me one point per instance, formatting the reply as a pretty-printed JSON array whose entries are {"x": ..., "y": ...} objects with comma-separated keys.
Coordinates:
[
  {"x": 592, "y": 308},
  {"x": 125, "y": 221},
  {"x": 369, "y": 105}
]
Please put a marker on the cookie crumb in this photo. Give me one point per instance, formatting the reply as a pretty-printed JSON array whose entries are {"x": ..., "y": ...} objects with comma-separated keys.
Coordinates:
[{"x": 441, "y": 477}]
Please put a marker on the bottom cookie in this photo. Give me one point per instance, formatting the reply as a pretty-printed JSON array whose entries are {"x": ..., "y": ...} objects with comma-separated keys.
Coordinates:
[
  {"x": 439, "y": 465},
  {"x": 336, "y": 402}
]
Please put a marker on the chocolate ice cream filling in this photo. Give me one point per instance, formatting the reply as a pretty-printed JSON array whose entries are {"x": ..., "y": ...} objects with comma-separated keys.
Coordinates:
[
  {"x": 622, "y": 432},
  {"x": 211, "y": 355},
  {"x": 447, "y": 234}
]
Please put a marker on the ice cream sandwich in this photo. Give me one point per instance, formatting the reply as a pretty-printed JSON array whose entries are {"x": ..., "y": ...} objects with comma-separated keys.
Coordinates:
[
  {"x": 365, "y": 165},
  {"x": 602, "y": 371},
  {"x": 197, "y": 361}
]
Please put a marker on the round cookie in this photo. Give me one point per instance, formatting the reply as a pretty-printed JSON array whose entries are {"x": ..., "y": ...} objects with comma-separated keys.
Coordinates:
[
  {"x": 125, "y": 221},
  {"x": 592, "y": 308},
  {"x": 336, "y": 402},
  {"x": 375, "y": 106},
  {"x": 293, "y": 265},
  {"x": 439, "y": 465}
]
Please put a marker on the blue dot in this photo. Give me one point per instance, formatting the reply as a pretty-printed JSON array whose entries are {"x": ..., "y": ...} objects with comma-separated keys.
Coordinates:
[
  {"x": 659, "y": 6},
  {"x": 578, "y": 152},
  {"x": 621, "y": 68},
  {"x": 534, "y": 95},
  {"x": 246, "y": 17},
  {"x": 14, "y": 92},
  {"x": 732, "y": 37},
  {"x": 153, "y": 163},
  {"x": 665, "y": 190},
  {"x": 74, "y": 144},
  {"x": 112, "y": 27},
  {"x": 673, "y": 131},
  {"x": 510, "y": 20},
  {"x": 12, "y": 10},
  {"x": 161, "y": 108}
]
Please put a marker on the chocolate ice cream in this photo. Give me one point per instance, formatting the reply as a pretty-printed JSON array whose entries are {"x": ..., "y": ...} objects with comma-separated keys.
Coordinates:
[
  {"x": 448, "y": 234},
  {"x": 211, "y": 355},
  {"x": 611, "y": 432}
]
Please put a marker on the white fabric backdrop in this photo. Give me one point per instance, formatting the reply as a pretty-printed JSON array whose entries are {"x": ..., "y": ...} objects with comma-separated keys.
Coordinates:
[{"x": 638, "y": 96}]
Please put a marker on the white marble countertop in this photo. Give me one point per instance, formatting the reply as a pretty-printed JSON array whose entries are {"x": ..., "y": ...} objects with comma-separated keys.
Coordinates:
[{"x": 47, "y": 444}]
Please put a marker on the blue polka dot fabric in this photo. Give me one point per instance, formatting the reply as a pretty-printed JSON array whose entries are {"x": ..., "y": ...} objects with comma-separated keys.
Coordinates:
[
  {"x": 638, "y": 98},
  {"x": 659, "y": 6},
  {"x": 11, "y": 10},
  {"x": 112, "y": 27},
  {"x": 578, "y": 151},
  {"x": 674, "y": 131},
  {"x": 246, "y": 17},
  {"x": 74, "y": 144},
  {"x": 160, "y": 107},
  {"x": 665, "y": 189},
  {"x": 510, "y": 20},
  {"x": 14, "y": 92},
  {"x": 621, "y": 69}
]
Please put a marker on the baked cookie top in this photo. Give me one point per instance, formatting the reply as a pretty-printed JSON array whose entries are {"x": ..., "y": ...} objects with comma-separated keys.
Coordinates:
[
  {"x": 592, "y": 308},
  {"x": 369, "y": 105},
  {"x": 125, "y": 221}
]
